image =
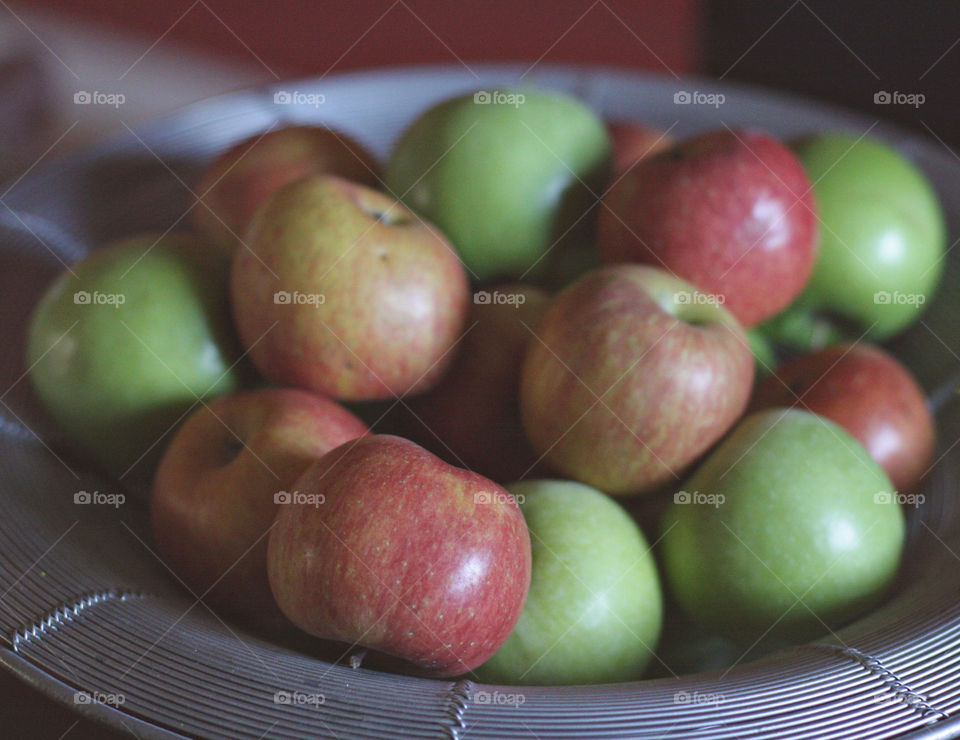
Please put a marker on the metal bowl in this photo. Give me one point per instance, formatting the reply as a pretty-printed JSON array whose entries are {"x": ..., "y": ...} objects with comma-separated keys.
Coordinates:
[{"x": 88, "y": 607}]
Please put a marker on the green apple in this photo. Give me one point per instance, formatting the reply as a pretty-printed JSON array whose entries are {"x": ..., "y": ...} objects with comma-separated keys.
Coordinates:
[
  {"x": 789, "y": 526},
  {"x": 504, "y": 174},
  {"x": 882, "y": 233},
  {"x": 764, "y": 353},
  {"x": 594, "y": 610},
  {"x": 123, "y": 344}
]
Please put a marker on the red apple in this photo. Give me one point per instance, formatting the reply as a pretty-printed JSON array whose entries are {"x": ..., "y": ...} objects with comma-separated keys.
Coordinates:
[
  {"x": 472, "y": 418},
  {"x": 238, "y": 181},
  {"x": 868, "y": 393},
  {"x": 633, "y": 375},
  {"x": 633, "y": 142},
  {"x": 345, "y": 292},
  {"x": 407, "y": 555},
  {"x": 214, "y": 494},
  {"x": 729, "y": 211}
]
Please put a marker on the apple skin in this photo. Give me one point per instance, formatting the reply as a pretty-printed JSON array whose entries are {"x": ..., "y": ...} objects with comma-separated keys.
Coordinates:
[
  {"x": 214, "y": 492},
  {"x": 408, "y": 556},
  {"x": 883, "y": 230},
  {"x": 503, "y": 182},
  {"x": 799, "y": 518},
  {"x": 472, "y": 417},
  {"x": 395, "y": 294},
  {"x": 674, "y": 375},
  {"x": 633, "y": 142},
  {"x": 119, "y": 377},
  {"x": 730, "y": 212},
  {"x": 240, "y": 179},
  {"x": 868, "y": 393},
  {"x": 594, "y": 611}
]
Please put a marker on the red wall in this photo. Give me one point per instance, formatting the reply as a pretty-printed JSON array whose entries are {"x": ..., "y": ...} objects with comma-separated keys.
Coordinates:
[{"x": 304, "y": 37}]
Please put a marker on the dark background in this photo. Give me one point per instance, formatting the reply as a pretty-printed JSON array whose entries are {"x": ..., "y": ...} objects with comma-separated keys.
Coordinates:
[{"x": 842, "y": 52}]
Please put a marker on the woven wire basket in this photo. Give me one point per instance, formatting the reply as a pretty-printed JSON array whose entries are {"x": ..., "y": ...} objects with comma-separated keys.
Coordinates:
[{"x": 87, "y": 607}]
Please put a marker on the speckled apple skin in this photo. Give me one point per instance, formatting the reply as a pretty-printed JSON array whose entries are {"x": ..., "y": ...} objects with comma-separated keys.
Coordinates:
[
  {"x": 238, "y": 181},
  {"x": 213, "y": 493},
  {"x": 871, "y": 395},
  {"x": 731, "y": 212},
  {"x": 395, "y": 294},
  {"x": 669, "y": 388},
  {"x": 407, "y": 555},
  {"x": 799, "y": 519}
]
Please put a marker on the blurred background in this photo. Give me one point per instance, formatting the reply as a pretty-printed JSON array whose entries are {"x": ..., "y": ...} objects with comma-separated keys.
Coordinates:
[{"x": 147, "y": 58}]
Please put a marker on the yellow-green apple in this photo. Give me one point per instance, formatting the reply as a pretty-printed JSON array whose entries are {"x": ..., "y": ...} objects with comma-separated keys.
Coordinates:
[
  {"x": 594, "y": 609},
  {"x": 731, "y": 212},
  {"x": 406, "y": 555},
  {"x": 504, "y": 173},
  {"x": 634, "y": 141},
  {"x": 788, "y": 528},
  {"x": 472, "y": 417},
  {"x": 871, "y": 395},
  {"x": 239, "y": 180},
  {"x": 122, "y": 345},
  {"x": 221, "y": 481},
  {"x": 343, "y": 291},
  {"x": 631, "y": 376},
  {"x": 882, "y": 242}
]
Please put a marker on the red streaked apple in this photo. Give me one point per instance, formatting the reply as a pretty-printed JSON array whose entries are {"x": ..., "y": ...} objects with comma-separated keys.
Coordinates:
[
  {"x": 633, "y": 142},
  {"x": 407, "y": 555},
  {"x": 345, "y": 292},
  {"x": 240, "y": 179},
  {"x": 871, "y": 395},
  {"x": 215, "y": 492},
  {"x": 632, "y": 375},
  {"x": 731, "y": 212},
  {"x": 472, "y": 417}
]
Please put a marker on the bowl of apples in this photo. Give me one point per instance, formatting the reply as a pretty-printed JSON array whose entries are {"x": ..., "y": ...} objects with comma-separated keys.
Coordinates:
[{"x": 558, "y": 402}]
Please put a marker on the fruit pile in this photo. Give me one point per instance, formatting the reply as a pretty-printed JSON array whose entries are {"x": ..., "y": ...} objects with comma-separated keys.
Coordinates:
[{"x": 561, "y": 334}]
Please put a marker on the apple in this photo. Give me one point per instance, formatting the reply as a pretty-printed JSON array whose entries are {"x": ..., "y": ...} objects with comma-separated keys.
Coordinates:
[
  {"x": 594, "y": 610},
  {"x": 404, "y": 554},
  {"x": 882, "y": 238},
  {"x": 472, "y": 418},
  {"x": 764, "y": 353},
  {"x": 729, "y": 211},
  {"x": 239, "y": 180},
  {"x": 788, "y": 528},
  {"x": 122, "y": 345},
  {"x": 632, "y": 375},
  {"x": 868, "y": 393},
  {"x": 220, "y": 483},
  {"x": 633, "y": 141},
  {"x": 343, "y": 291},
  {"x": 504, "y": 174}
]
